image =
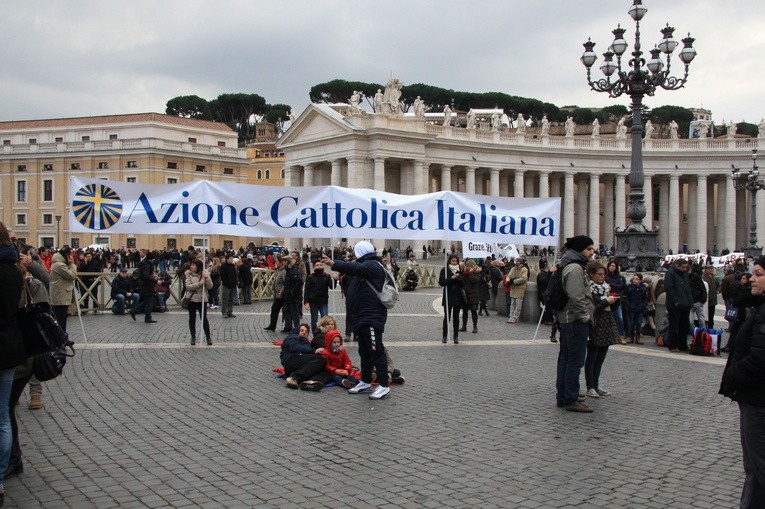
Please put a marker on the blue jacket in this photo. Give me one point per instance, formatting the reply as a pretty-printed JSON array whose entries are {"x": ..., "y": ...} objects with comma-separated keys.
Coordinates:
[
  {"x": 294, "y": 345},
  {"x": 678, "y": 289},
  {"x": 362, "y": 303}
]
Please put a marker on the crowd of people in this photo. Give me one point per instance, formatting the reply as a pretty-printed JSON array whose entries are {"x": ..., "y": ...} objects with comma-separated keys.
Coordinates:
[{"x": 603, "y": 309}]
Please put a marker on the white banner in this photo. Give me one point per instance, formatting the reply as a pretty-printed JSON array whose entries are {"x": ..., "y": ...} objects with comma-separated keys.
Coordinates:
[
  {"x": 483, "y": 250},
  {"x": 207, "y": 208}
]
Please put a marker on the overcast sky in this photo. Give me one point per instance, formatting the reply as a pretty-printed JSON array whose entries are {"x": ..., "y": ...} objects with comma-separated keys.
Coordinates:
[{"x": 81, "y": 58}]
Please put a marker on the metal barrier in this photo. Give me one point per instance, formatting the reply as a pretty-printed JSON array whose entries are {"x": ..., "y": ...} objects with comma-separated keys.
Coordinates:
[{"x": 100, "y": 289}]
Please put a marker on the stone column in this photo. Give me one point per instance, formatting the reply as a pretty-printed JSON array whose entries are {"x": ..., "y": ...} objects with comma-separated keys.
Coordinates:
[
  {"x": 419, "y": 177},
  {"x": 504, "y": 185},
  {"x": 336, "y": 178},
  {"x": 674, "y": 214},
  {"x": 713, "y": 214},
  {"x": 593, "y": 226},
  {"x": 446, "y": 178},
  {"x": 701, "y": 213},
  {"x": 379, "y": 174},
  {"x": 620, "y": 204},
  {"x": 648, "y": 200},
  {"x": 568, "y": 206},
  {"x": 544, "y": 184},
  {"x": 693, "y": 217},
  {"x": 470, "y": 180},
  {"x": 518, "y": 184},
  {"x": 356, "y": 172},
  {"x": 729, "y": 240},
  {"x": 608, "y": 211},
  {"x": 308, "y": 174},
  {"x": 580, "y": 220},
  {"x": 664, "y": 216},
  {"x": 494, "y": 182}
]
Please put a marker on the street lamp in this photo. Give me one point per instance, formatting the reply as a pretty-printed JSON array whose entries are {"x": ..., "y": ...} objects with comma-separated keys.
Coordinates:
[
  {"x": 58, "y": 231},
  {"x": 752, "y": 183},
  {"x": 637, "y": 245}
]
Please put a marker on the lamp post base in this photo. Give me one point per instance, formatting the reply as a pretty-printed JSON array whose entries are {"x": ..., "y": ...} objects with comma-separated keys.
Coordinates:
[
  {"x": 753, "y": 251},
  {"x": 637, "y": 251}
]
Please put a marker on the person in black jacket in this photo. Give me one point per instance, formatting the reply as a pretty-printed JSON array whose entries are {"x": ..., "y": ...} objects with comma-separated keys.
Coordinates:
[
  {"x": 293, "y": 293},
  {"x": 366, "y": 315},
  {"x": 451, "y": 280},
  {"x": 146, "y": 283},
  {"x": 228, "y": 280},
  {"x": 316, "y": 298},
  {"x": 245, "y": 278},
  {"x": 679, "y": 304},
  {"x": 304, "y": 366},
  {"x": 743, "y": 381},
  {"x": 122, "y": 291}
]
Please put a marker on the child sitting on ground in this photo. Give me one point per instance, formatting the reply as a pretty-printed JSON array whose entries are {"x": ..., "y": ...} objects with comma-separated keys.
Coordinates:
[{"x": 338, "y": 362}]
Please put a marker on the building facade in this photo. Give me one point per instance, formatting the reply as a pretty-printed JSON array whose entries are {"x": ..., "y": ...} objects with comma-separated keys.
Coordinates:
[
  {"x": 689, "y": 193},
  {"x": 39, "y": 156}
]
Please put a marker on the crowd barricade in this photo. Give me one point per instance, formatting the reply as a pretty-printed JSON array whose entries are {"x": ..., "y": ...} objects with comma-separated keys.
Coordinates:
[{"x": 262, "y": 286}]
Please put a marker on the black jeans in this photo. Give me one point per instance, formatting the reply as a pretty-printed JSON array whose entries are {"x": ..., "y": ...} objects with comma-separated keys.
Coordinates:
[
  {"x": 678, "y": 328},
  {"x": 275, "y": 308},
  {"x": 592, "y": 365},
  {"x": 454, "y": 311},
  {"x": 372, "y": 353},
  {"x": 61, "y": 312},
  {"x": 197, "y": 308},
  {"x": 308, "y": 366},
  {"x": 753, "y": 445},
  {"x": 292, "y": 314}
]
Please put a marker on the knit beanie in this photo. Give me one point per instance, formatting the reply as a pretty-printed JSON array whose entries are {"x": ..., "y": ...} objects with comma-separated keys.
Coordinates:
[
  {"x": 362, "y": 248},
  {"x": 579, "y": 243}
]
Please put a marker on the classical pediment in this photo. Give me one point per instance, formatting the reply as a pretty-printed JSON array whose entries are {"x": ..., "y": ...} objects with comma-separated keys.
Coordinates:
[{"x": 317, "y": 122}]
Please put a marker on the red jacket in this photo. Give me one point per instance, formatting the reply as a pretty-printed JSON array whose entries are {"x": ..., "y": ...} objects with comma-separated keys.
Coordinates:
[{"x": 335, "y": 361}]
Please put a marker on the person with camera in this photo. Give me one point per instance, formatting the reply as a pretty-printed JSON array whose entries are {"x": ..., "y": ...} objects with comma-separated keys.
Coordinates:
[{"x": 515, "y": 283}]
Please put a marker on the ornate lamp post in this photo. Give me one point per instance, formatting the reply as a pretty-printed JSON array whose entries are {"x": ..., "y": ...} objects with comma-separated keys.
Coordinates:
[
  {"x": 636, "y": 245},
  {"x": 751, "y": 183}
]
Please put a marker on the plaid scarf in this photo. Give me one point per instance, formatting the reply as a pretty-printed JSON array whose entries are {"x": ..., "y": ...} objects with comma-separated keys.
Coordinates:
[{"x": 599, "y": 291}]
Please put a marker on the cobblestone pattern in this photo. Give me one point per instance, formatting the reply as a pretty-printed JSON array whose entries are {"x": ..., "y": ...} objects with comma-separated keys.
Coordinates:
[{"x": 140, "y": 419}]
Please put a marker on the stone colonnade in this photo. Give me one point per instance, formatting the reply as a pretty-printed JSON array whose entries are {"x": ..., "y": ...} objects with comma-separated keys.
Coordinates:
[{"x": 693, "y": 211}]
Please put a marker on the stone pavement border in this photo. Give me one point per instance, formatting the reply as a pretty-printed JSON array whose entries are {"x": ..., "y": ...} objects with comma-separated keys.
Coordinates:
[{"x": 141, "y": 419}]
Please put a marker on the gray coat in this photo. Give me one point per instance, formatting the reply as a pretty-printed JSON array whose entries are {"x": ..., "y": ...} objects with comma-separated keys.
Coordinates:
[{"x": 577, "y": 287}]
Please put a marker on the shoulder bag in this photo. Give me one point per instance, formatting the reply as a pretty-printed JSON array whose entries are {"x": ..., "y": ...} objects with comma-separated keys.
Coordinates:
[{"x": 39, "y": 328}]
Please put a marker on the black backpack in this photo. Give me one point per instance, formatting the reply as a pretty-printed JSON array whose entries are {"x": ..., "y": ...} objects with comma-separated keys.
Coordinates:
[{"x": 554, "y": 297}]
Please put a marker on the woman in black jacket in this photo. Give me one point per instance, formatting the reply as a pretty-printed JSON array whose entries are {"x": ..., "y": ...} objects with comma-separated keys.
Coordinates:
[
  {"x": 303, "y": 365},
  {"x": 451, "y": 280},
  {"x": 743, "y": 381}
]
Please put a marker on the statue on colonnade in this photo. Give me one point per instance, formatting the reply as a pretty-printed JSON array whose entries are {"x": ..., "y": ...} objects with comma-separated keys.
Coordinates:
[
  {"x": 545, "y": 125},
  {"x": 521, "y": 128},
  {"x": 621, "y": 130},
  {"x": 673, "y": 130},
  {"x": 419, "y": 108},
  {"x": 570, "y": 127},
  {"x": 596, "y": 128},
  {"x": 392, "y": 97},
  {"x": 447, "y": 115}
]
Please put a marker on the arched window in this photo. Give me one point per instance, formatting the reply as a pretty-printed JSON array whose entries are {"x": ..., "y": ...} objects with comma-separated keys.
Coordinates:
[
  {"x": 260, "y": 175},
  {"x": 268, "y": 174}
]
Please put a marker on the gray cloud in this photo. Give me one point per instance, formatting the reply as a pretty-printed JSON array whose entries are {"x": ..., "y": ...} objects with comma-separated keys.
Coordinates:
[{"x": 90, "y": 58}]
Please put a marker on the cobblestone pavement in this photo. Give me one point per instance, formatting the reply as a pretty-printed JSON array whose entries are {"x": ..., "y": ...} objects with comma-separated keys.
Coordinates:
[{"x": 142, "y": 419}]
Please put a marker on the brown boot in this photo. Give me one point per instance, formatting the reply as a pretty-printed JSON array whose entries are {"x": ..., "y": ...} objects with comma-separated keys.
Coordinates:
[
  {"x": 35, "y": 402},
  {"x": 638, "y": 340}
]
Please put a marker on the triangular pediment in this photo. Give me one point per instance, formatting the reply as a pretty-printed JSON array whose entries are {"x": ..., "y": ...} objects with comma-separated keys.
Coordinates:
[{"x": 317, "y": 122}]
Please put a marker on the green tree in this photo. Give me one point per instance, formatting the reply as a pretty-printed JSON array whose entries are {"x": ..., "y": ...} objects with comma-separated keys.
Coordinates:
[
  {"x": 747, "y": 128},
  {"x": 277, "y": 114},
  {"x": 612, "y": 113},
  {"x": 340, "y": 91},
  {"x": 237, "y": 110},
  {"x": 189, "y": 106},
  {"x": 663, "y": 115},
  {"x": 583, "y": 116}
]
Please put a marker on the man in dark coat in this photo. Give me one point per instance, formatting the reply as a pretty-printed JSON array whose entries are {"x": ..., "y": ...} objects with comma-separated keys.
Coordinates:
[
  {"x": 122, "y": 290},
  {"x": 366, "y": 315},
  {"x": 679, "y": 303},
  {"x": 229, "y": 280},
  {"x": 711, "y": 281},
  {"x": 245, "y": 279},
  {"x": 146, "y": 283}
]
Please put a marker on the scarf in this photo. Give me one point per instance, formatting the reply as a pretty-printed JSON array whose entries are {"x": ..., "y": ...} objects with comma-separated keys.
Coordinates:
[{"x": 599, "y": 291}]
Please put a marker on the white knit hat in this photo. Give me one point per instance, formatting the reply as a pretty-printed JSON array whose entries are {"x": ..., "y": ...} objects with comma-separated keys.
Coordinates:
[{"x": 362, "y": 248}]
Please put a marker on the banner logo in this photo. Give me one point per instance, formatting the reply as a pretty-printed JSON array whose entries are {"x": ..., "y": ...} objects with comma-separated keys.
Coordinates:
[{"x": 97, "y": 206}]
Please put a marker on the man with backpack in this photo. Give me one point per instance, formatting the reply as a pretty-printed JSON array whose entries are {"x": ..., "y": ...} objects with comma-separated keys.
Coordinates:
[
  {"x": 366, "y": 315},
  {"x": 574, "y": 319}
]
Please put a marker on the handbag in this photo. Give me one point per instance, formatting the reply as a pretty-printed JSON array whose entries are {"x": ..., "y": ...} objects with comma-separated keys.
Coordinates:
[
  {"x": 186, "y": 299},
  {"x": 51, "y": 364},
  {"x": 650, "y": 309},
  {"x": 39, "y": 328},
  {"x": 731, "y": 314}
]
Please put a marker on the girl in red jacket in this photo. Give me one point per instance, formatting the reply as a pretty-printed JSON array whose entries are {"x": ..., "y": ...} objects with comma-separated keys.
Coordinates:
[{"x": 338, "y": 362}]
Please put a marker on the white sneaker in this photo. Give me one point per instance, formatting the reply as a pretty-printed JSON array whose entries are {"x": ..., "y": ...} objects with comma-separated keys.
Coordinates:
[
  {"x": 592, "y": 393},
  {"x": 380, "y": 392},
  {"x": 603, "y": 392},
  {"x": 360, "y": 387}
]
